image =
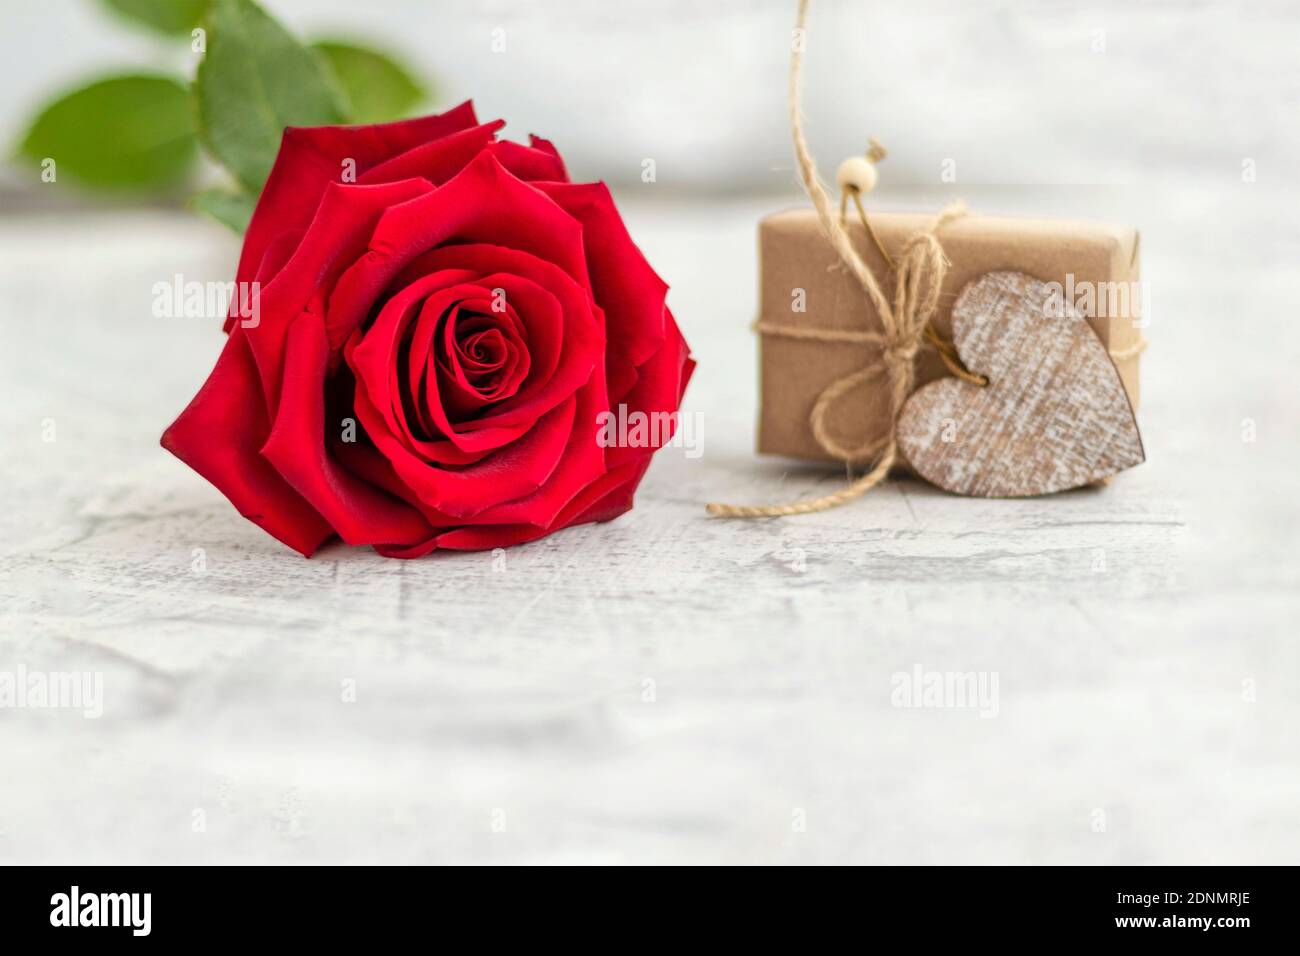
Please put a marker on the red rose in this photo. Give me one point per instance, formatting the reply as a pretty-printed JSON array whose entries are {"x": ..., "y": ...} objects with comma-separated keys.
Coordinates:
[{"x": 434, "y": 345}]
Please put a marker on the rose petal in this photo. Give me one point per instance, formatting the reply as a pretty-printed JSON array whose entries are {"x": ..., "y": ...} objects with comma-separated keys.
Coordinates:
[
  {"x": 624, "y": 284},
  {"x": 312, "y": 157},
  {"x": 583, "y": 461},
  {"x": 515, "y": 470},
  {"x": 483, "y": 203},
  {"x": 220, "y": 435},
  {"x": 529, "y": 163},
  {"x": 374, "y": 359},
  {"x": 565, "y": 330},
  {"x": 658, "y": 390},
  {"x": 437, "y": 160},
  {"x": 337, "y": 235},
  {"x": 546, "y": 146},
  {"x": 603, "y": 500},
  {"x": 464, "y": 392},
  {"x": 360, "y": 513}
]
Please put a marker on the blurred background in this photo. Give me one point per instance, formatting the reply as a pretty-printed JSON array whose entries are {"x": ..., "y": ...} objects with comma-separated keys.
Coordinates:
[{"x": 1013, "y": 91}]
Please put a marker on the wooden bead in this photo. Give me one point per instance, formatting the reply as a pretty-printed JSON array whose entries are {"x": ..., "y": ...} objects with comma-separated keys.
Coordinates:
[{"x": 856, "y": 173}]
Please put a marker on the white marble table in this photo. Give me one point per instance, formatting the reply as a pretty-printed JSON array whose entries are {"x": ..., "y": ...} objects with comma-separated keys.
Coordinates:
[{"x": 667, "y": 687}]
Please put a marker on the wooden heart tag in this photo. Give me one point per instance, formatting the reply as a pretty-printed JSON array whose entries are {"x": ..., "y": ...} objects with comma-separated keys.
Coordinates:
[{"x": 1054, "y": 415}]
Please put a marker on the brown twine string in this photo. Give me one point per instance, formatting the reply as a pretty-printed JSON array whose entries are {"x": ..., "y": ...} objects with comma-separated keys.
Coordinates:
[
  {"x": 946, "y": 350},
  {"x": 918, "y": 278}
]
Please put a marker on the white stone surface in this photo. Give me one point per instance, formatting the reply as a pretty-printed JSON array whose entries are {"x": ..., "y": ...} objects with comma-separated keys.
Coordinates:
[{"x": 1144, "y": 635}]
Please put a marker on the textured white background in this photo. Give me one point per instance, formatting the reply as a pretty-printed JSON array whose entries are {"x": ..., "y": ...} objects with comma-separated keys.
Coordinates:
[{"x": 520, "y": 691}]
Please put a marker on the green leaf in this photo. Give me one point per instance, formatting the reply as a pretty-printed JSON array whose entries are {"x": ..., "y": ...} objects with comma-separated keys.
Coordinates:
[
  {"x": 255, "y": 80},
  {"x": 377, "y": 88},
  {"x": 166, "y": 16},
  {"x": 229, "y": 209},
  {"x": 125, "y": 132}
]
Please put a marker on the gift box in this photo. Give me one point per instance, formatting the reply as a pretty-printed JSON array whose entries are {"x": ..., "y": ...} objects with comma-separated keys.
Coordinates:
[{"x": 804, "y": 284}]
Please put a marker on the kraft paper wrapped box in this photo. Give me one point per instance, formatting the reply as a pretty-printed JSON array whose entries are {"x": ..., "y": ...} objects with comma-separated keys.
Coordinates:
[{"x": 1096, "y": 265}]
